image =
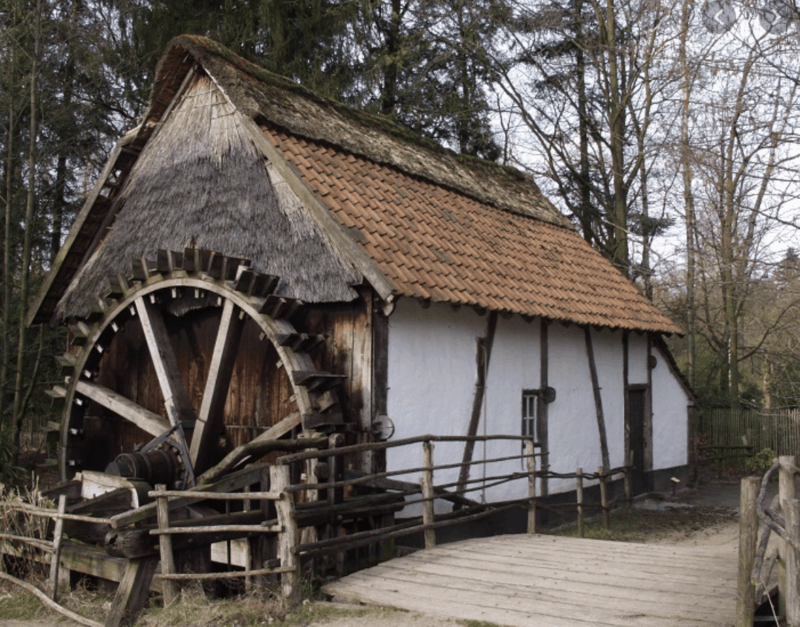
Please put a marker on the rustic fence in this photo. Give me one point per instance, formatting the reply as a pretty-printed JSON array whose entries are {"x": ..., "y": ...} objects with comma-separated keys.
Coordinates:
[
  {"x": 313, "y": 507},
  {"x": 733, "y": 434},
  {"x": 782, "y": 517}
]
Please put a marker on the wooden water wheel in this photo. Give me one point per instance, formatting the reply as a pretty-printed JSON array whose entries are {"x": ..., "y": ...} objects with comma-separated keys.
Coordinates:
[{"x": 186, "y": 359}]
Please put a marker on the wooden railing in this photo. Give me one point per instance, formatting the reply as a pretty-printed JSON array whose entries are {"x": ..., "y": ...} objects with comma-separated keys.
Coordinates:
[
  {"x": 425, "y": 493},
  {"x": 320, "y": 516},
  {"x": 602, "y": 476},
  {"x": 286, "y": 528},
  {"x": 782, "y": 517}
]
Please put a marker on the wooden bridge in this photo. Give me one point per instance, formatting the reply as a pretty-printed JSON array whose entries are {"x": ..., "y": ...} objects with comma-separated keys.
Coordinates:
[{"x": 548, "y": 581}]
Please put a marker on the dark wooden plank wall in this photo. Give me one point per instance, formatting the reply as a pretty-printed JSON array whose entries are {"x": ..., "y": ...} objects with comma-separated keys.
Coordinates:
[
  {"x": 260, "y": 394},
  {"x": 353, "y": 349}
]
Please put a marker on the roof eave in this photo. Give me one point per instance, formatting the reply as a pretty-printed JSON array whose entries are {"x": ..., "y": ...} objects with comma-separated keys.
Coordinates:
[{"x": 35, "y": 314}]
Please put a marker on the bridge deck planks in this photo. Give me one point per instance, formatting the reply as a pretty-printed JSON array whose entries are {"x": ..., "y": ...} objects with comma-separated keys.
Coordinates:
[{"x": 542, "y": 581}]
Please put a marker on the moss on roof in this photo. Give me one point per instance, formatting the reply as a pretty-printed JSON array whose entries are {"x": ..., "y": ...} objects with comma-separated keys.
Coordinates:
[{"x": 281, "y": 101}]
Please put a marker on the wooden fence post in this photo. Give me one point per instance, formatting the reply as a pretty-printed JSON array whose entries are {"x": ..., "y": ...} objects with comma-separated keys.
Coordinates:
[
  {"x": 132, "y": 592},
  {"x": 626, "y": 474},
  {"x": 55, "y": 560},
  {"x": 579, "y": 493},
  {"x": 787, "y": 563},
  {"x": 793, "y": 565},
  {"x": 748, "y": 536},
  {"x": 335, "y": 496},
  {"x": 426, "y": 483},
  {"x": 169, "y": 586},
  {"x": 287, "y": 542},
  {"x": 531, "y": 465},
  {"x": 601, "y": 474}
]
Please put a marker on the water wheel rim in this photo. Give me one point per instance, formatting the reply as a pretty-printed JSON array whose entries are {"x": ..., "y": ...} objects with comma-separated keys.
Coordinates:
[{"x": 248, "y": 305}]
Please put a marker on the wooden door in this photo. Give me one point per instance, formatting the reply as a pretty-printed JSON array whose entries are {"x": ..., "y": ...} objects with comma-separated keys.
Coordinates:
[{"x": 637, "y": 405}]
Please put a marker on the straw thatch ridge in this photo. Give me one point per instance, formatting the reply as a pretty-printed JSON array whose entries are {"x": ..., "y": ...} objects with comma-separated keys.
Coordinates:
[
  {"x": 201, "y": 182},
  {"x": 261, "y": 94}
]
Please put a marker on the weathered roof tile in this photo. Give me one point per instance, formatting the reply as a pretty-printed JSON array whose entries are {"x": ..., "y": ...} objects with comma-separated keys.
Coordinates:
[{"x": 433, "y": 242}]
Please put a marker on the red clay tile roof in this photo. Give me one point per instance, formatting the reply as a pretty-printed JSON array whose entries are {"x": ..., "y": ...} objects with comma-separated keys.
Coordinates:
[{"x": 438, "y": 244}]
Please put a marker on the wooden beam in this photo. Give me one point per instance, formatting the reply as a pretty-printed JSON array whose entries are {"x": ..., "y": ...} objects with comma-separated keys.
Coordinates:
[
  {"x": 542, "y": 436},
  {"x": 218, "y": 382},
  {"x": 170, "y": 587},
  {"x": 287, "y": 541},
  {"x": 598, "y": 401},
  {"x": 380, "y": 379},
  {"x": 648, "y": 412},
  {"x": 787, "y": 564},
  {"x": 260, "y": 445},
  {"x": 146, "y": 420},
  {"x": 748, "y": 537},
  {"x": 55, "y": 561},
  {"x": 484, "y": 354},
  {"x": 132, "y": 592},
  {"x": 626, "y": 411},
  {"x": 176, "y": 399},
  {"x": 233, "y": 481}
]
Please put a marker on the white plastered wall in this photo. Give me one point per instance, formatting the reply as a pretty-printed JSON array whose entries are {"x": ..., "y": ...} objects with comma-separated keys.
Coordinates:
[
  {"x": 514, "y": 367},
  {"x": 431, "y": 378},
  {"x": 637, "y": 359},
  {"x": 574, "y": 436},
  {"x": 669, "y": 403},
  {"x": 670, "y": 416}
]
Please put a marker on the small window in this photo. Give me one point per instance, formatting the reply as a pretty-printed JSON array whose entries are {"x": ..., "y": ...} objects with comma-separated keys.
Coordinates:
[{"x": 529, "y": 399}]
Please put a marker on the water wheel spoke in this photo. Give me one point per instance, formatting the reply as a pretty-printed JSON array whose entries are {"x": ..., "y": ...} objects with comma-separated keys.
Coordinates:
[
  {"x": 197, "y": 287},
  {"x": 226, "y": 347},
  {"x": 176, "y": 399},
  {"x": 146, "y": 420}
]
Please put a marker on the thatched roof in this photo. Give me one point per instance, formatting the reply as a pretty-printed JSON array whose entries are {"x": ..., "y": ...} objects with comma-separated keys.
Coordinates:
[
  {"x": 232, "y": 158},
  {"x": 200, "y": 181}
]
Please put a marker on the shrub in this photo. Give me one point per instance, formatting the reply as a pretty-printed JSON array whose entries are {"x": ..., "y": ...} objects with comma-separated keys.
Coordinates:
[
  {"x": 10, "y": 473},
  {"x": 761, "y": 461}
]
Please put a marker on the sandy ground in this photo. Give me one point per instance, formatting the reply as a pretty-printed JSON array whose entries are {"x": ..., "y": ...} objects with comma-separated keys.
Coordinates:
[{"x": 720, "y": 532}]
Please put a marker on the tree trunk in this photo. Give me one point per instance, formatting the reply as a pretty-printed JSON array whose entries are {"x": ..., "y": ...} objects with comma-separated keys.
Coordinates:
[
  {"x": 688, "y": 196},
  {"x": 10, "y": 165},
  {"x": 616, "y": 123},
  {"x": 18, "y": 413}
]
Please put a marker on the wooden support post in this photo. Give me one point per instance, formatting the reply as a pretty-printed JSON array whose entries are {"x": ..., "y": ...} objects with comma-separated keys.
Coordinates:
[
  {"x": 793, "y": 565},
  {"x": 748, "y": 536},
  {"x": 248, "y": 553},
  {"x": 170, "y": 587},
  {"x": 579, "y": 492},
  {"x": 787, "y": 561},
  {"x": 598, "y": 401},
  {"x": 601, "y": 473},
  {"x": 290, "y": 580},
  {"x": 336, "y": 495},
  {"x": 628, "y": 487},
  {"x": 484, "y": 355},
  {"x": 132, "y": 592},
  {"x": 267, "y": 544},
  {"x": 426, "y": 482},
  {"x": 531, "y": 465},
  {"x": 55, "y": 560}
]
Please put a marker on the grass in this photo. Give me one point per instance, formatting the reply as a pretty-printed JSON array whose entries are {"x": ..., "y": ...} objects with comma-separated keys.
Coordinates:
[
  {"x": 625, "y": 525},
  {"x": 17, "y": 604},
  {"x": 640, "y": 525},
  {"x": 321, "y": 612}
]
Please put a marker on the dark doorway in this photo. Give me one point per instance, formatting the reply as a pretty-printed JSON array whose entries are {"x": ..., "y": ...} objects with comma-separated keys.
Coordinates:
[{"x": 637, "y": 405}]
